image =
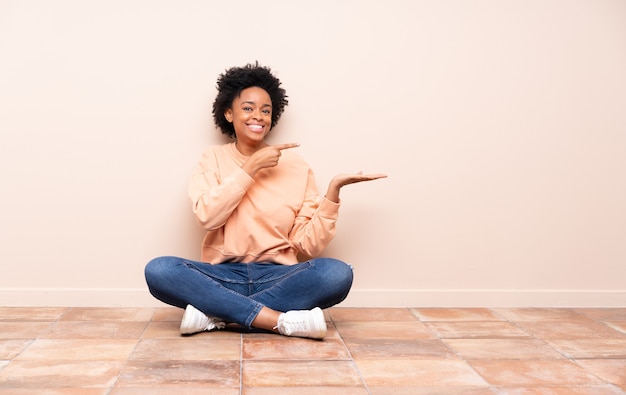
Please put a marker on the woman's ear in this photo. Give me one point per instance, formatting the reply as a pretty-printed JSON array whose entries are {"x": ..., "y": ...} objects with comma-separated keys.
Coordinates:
[{"x": 228, "y": 114}]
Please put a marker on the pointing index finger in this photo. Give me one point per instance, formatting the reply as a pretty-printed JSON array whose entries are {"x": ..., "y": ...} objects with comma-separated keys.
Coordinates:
[{"x": 286, "y": 146}]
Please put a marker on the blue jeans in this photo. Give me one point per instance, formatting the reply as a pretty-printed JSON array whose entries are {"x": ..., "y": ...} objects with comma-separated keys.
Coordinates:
[{"x": 236, "y": 292}]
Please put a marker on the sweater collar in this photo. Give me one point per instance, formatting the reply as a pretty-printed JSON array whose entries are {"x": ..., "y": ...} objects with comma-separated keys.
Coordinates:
[{"x": 238, "y": 155}]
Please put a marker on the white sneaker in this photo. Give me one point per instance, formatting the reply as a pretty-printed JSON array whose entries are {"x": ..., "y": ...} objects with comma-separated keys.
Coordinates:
[
  {"x": 195, "y": 321},
  {"x": 303, "y": 323}
]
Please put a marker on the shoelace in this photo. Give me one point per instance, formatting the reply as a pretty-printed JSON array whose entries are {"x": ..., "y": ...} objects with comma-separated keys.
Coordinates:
[
  {"x": 215, "y": 323},
  {"x": 295, "y": 326}
]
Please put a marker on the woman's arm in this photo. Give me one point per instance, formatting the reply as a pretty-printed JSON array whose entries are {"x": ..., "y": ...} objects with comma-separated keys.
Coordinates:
[{"x": 314, "y": 226}]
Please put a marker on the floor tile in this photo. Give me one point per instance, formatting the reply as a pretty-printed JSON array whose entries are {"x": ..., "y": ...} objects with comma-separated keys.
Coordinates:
[
  {"x": 95, "y": 330},
  {"x": 22, "y": 329},
  {"x": 183, "y": 349},
  {"x": 162, "y": 330},
  {"x": 171, "y": 330},
  {"x": 300, "y": 373},
  {"x": 475, "y": 329},
  {"x": 371, "y": 314},
  {"x": 168, "y": 314},
  {"x": 79, "y": 349},
  {"x": 611, "y": 370},
  {"x": 108, "y": 314},
  {"x": 56, "y": 374},
  {"x": 557, "y": 390},
  {"x": 619, "y": 326},
  {"x": 174, "y": 391},
  {"x": 398, "y": 348},
  {"x": 538, "y": 314},
  {"x": 305, "y": 390},
  {"x": 31, "y": 313},
  {"x": 384, "y": 330},
  {"x": 182, "y": 374},
  {"x": 294, "y": 349},
  {"x": 423, "y": 372},
  {"x": 578, "y": 329},
  {"x": 464, "y": 314},
  {"x": 331, "y": 333},
  {"x": 431, "y": 390},
  {"x": 591, "y": 348},
  {"x": 502, "y": 349},
  {"x": 533, "y": 373},
  {"x": 9, "y": 349},
  {"x": 54, "y": 391},
  {"x": 604, "y": 314}
]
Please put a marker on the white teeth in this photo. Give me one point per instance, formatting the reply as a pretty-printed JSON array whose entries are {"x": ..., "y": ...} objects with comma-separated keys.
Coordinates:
[{"x": 255, "y": 127}]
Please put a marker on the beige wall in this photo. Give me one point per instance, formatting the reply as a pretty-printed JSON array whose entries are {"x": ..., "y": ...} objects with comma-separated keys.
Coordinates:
[{"x": 501, "y": 125}]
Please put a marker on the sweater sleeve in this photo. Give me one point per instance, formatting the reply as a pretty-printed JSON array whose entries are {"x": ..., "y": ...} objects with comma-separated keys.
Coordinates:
[
  {"x": 213, "y": 199},
  {"x": 314, "y": 226}
]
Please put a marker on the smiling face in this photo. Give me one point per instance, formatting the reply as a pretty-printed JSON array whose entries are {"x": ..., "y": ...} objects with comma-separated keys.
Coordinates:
[{"x": 251, "y": 116}]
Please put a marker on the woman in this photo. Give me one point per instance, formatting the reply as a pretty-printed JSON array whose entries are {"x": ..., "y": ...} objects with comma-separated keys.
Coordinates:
[{"x": 260, "y": 207}]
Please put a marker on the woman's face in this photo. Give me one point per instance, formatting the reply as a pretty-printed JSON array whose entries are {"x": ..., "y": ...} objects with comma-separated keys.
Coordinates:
[{"x": 251, "y": 115}]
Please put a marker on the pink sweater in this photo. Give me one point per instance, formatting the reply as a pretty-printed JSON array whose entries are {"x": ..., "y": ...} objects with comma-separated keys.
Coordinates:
[{"x": 269, "y": 218}]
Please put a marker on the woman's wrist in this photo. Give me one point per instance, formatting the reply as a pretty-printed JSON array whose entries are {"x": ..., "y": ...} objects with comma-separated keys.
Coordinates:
[{"x": 333, "y": 192}]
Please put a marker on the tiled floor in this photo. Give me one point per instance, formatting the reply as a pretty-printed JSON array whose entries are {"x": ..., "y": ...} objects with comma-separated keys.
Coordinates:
[{"x": 127, "y": 351}]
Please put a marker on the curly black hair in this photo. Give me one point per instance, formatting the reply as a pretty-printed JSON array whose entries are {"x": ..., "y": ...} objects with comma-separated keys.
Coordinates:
[{"x": 236, "y": 79}]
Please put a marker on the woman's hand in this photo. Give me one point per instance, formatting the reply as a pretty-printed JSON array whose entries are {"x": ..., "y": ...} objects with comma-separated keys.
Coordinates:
[
  {"x": 341, "y": 180},
  {"x": 267, "y": 156}
]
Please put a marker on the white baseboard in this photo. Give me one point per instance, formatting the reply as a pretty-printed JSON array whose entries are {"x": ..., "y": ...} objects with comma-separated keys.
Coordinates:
[
  {"x": 484, "y": 298},
  {"x": 140, "y": 297},
  {"x": 78, "y": 297}
]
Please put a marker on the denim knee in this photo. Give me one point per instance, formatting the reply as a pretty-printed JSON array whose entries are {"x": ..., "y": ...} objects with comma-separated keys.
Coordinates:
[
  {"x": 158, "y": 269},
  {"x": 153, "y": 269},
  {"x": 337, "y": 274}
]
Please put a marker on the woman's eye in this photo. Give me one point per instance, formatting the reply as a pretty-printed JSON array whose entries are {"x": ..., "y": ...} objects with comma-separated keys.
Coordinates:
[
  {"x": 247, "y": 108},
  {"x": 267, "y": 112}
]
